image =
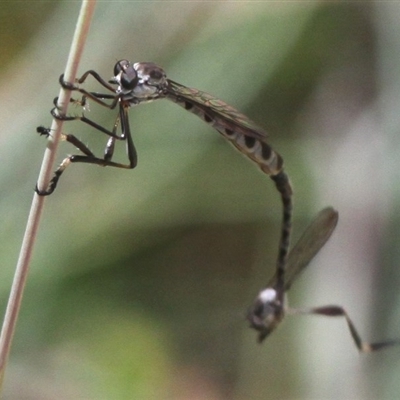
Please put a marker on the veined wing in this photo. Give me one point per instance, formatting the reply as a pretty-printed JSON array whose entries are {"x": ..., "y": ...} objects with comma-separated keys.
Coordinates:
[
  {"x": 310, "y": 243},
  {"x": 223, "y": 115}
]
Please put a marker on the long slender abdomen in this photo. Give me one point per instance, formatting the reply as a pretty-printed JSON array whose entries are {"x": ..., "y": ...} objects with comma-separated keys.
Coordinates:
[
  {"x": 258, "y": 151},
  {"x": 271, "y": 163},
  {"x": 254, "y": 146}
]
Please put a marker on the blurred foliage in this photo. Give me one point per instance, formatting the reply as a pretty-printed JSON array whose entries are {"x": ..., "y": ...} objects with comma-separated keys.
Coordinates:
[
  {"x": 19, "y": 24},
  {"x": 141, "y": 279}
]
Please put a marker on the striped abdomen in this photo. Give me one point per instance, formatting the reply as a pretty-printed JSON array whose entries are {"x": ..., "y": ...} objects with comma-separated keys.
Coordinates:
[
  {"x": 250, "y": 140},
  {"x": 234, "y": 126}
]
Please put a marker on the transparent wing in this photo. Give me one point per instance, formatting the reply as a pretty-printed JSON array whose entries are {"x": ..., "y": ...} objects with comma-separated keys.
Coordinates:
[
  {"x": 223, "y": 114},
  {"x": 310, "y": 243}
]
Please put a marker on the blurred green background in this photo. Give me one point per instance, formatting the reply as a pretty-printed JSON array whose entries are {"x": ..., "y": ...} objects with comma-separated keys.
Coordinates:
[{"x": 141, "y": 279}]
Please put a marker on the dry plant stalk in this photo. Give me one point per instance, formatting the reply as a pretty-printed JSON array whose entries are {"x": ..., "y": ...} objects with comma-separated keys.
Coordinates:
[{"x": 22, "y": 267}]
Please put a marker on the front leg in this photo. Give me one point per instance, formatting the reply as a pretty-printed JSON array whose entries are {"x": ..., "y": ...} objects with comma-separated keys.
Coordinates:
[{"x": 93, "y": 95}]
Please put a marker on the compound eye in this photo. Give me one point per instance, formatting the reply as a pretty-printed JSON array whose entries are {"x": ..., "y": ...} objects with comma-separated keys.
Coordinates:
[
  {"x": 129, "y": 78},
  {"x": 121, "y": 65}
]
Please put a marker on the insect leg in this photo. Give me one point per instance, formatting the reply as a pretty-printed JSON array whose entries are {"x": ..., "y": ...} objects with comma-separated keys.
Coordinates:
[
  {"x": 89, "y": 157},
  {"x": 93, "y": 95},
  {"x": 68, "y": 138},
  {"x": 86, "y": 121},
  {"x": 338, "y": 311}
]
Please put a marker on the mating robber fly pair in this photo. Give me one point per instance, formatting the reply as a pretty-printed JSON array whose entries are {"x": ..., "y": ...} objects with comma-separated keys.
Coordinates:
[{"x": 137, "y": 83}]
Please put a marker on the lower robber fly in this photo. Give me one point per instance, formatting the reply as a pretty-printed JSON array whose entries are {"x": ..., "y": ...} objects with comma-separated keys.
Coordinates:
[
  {"x": 138, "y": 83},
  {"x": 269, "y": 308}
]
